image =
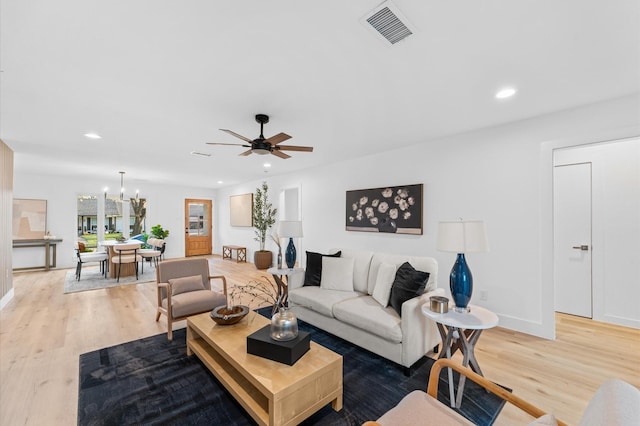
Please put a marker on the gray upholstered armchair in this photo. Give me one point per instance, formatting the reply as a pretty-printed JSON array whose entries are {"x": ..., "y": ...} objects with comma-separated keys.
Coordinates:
[{"x": 184, "y": 289}]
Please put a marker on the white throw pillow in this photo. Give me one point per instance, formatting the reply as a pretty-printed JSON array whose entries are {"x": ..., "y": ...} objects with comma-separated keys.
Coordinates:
[
  {"x": 384, "y": 281},
  {"x": 337, "y": 273}
]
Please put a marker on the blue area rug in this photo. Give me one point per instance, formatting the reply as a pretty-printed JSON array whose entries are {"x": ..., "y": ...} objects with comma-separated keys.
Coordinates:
[{"x": 152, "y": 381}]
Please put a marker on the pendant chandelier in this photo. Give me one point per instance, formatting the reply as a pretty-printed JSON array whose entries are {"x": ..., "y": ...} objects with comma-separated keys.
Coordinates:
[{"x": 122, "y": 196}]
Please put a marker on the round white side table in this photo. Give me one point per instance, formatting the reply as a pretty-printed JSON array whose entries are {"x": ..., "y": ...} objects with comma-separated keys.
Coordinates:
[{"x": 461, "y": 330}]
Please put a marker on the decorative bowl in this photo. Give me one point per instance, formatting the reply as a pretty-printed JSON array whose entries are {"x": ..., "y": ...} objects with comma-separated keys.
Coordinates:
[{"x": 227, "y": 316}]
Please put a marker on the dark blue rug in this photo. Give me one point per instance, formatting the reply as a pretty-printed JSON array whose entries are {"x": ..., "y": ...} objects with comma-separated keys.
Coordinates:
[{"x": 152, "y": 381}]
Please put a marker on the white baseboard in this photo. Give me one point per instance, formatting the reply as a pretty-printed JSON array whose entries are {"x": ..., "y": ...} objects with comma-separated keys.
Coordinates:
[{"x": 6, "y": 299}]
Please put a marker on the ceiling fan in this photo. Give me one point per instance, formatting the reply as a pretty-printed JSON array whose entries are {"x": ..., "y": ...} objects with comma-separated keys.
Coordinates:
[{"x": 264, "y": 146}]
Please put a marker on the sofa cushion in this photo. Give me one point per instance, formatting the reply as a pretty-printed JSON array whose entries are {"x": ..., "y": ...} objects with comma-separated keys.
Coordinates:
[
  {"x": 384, "y": 281},
  {"x": 361, "y": 266},
  {"x": 367, "y": 314},
  {"x": 186, "y": 284},
  {"x": 408, "y": 284},
  {"x": 419, "y": 405},
  {"x": 313, "y": 271},
  {"x": 337, "y": 273},
  {"x": 319, "y": 300}
]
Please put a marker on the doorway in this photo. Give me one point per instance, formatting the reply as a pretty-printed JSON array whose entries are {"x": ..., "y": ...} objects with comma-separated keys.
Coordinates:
[
  {"x": 197, "y": 227},
  {"x": 572, "y": 212}
]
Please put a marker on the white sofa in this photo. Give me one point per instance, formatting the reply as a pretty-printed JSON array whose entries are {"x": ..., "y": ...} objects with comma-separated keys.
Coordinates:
[{"x": 360, "y": 319}]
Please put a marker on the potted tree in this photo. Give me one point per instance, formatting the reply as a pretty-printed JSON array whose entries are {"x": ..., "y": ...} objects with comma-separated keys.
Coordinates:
[{"x": 264, "y": 216}]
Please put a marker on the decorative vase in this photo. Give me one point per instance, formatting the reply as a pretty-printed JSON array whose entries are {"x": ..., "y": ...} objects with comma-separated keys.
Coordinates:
[
  {"x": 284, "y": 325},
  {"x": 279, "y": 259},
  {"x": 290, "y": 254},
  {"x": 461, "y": 284}
]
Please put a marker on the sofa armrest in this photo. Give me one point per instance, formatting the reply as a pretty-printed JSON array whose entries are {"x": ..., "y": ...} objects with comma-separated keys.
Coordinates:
[
  {"x": 419, "y": 333},
  {"x": 295, "y": 280}
]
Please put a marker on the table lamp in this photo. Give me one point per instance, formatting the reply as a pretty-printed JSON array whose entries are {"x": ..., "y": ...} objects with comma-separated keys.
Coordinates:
[
  {"x": 291, "y": 229},
  {"x": 462, "y": 237}
]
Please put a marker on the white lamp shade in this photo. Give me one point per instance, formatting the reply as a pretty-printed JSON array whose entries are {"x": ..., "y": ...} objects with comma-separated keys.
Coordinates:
[
  {"x": 290, "y": 229},
  {"x": 462, "y": 236}
]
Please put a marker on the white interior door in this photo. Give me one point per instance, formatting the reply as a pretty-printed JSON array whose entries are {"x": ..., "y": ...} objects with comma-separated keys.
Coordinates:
[{"x": 572, "y": 239}]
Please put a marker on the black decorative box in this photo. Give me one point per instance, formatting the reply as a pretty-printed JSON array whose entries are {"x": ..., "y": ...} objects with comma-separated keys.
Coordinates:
[{"x": 261, "y": 344}]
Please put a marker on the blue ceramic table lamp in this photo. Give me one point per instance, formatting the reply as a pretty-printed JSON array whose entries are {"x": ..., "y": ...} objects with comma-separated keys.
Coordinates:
[
  {"x": 290, "y": 229},
  {"x": 462, "y": 237}
]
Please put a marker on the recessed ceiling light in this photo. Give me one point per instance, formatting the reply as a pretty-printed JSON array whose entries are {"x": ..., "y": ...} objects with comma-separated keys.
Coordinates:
[
  {"x": 220, "y": 181},
  {"x": 93, "y": 136},
  {"x": 505, "y": 93},
  {"x": 267, "y": 165}
]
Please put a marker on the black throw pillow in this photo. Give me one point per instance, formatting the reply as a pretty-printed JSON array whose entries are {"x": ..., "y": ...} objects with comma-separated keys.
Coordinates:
[
  {"x": 313, "y": 272},
  {"x": 408, "y": 284}
]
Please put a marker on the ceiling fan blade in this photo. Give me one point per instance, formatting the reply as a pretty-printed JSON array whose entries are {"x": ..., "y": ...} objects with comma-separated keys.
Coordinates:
[
  {"x": 247, "y": 152},
  {"x": 294, "y": 148},
  {"x": 276, "y": 139},
  {"x": 237, "y": 135},
  {"x": 229, "y": 144},
  {"x": 280, "y": 154}
]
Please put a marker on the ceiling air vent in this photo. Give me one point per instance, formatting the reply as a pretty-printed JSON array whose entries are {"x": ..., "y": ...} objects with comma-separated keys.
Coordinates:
[{"x": 388, "y": 23}]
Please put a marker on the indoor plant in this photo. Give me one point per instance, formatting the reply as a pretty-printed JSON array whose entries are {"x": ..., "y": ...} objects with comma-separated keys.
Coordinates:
[
  {"x": 159, "y": 233},
  {"x": 264, "y": 216}
]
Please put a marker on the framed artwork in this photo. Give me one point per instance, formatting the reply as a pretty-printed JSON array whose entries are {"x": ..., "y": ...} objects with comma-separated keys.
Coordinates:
[
  {"x": 241, "y": 207},
  {"x": 29, "y": 219},
  {"x": 392, "y": 209}
]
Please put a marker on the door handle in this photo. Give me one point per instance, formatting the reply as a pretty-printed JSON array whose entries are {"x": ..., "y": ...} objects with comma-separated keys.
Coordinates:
[{"x": 582, "y": 247}]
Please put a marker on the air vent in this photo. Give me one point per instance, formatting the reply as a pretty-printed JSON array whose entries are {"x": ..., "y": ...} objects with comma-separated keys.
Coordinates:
[{"x": 388, "y": 23}]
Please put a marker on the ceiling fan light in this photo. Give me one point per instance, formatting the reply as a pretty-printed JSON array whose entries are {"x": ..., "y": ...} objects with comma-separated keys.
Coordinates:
[{"x": 261, "y": 151}]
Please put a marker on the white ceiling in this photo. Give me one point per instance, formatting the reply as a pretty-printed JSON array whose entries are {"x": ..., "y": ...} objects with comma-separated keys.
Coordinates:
[{"x": 157, "y": 79}]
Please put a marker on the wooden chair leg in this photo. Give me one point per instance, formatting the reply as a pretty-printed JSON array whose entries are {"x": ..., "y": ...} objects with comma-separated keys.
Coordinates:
[
  {"x": 170, "y": 328},
  {"x": 158, "y": 316}
]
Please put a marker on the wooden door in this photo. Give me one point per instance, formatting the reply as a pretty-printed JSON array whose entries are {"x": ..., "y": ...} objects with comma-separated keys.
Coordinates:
[
  {"x": 197, "y": 227},
  {"x": 572, "y": 239}
]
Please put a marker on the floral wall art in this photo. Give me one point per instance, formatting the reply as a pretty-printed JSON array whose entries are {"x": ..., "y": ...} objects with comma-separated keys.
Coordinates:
[{"x": 392, "y": 209}]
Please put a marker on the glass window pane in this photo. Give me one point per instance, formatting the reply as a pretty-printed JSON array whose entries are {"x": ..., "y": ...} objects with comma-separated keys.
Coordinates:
[{"x": 198, "y": 219}]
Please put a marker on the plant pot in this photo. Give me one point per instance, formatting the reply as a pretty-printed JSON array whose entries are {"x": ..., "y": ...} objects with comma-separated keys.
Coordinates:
[{"x": 263, "y": 259}]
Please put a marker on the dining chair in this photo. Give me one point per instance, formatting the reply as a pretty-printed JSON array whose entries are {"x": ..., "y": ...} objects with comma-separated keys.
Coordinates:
[
  {"x": 88, "y": 257},
  {"x": 151, "y": 254},
  {"x": 126, "y": 254}
]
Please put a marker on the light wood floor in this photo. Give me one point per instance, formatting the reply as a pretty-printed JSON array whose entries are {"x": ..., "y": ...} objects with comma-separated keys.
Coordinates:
[{"x": 43, "y": 331}]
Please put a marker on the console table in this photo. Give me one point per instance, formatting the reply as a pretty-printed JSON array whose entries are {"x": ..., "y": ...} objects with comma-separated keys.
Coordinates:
[
  {"x": 48, "y": 244},
  {"x": 241, "y": 253}
]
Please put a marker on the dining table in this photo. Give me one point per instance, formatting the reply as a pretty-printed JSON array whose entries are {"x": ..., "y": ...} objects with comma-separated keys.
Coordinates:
[{"x": 128, "y": 269}]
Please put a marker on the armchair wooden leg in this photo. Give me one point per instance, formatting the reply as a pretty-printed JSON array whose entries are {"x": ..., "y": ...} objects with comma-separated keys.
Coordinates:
[{"x": 157, "y": 316}]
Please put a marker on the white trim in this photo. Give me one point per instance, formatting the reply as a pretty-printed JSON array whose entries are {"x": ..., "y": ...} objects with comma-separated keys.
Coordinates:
[{"x": 6, "y": 299}]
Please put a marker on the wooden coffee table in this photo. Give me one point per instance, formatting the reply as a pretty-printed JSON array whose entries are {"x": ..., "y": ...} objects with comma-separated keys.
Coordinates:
[{"x": 272, "y": 393}]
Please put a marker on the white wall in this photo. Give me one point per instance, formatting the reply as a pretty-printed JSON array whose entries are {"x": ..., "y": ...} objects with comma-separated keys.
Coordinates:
[
  {"x": 501, "y": 175},
  {"x": 615, "y": 228},
  {"x": 165, "y": 206}
]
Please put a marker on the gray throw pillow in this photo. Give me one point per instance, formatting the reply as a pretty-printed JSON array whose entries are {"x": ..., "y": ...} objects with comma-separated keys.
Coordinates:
[{"x": 186, "y": 284}]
